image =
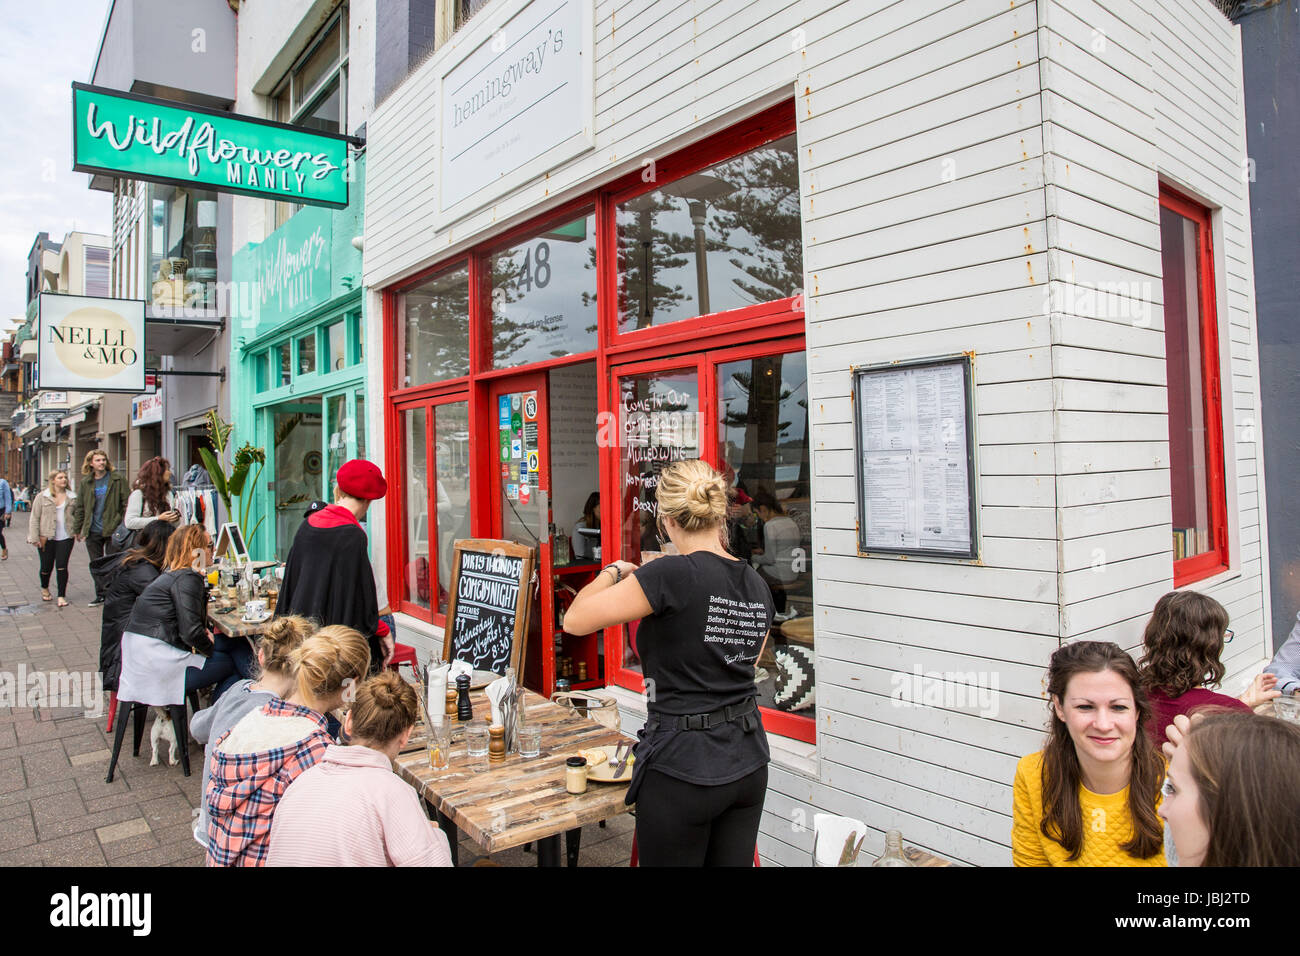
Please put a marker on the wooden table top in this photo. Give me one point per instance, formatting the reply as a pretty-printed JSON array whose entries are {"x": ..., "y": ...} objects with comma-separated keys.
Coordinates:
[
  {"x": 919, "y": 857},
  {"x": 519, "y": 800},
  {"x": 233, "y": 624},
  {"x": 799, "y": 630}
]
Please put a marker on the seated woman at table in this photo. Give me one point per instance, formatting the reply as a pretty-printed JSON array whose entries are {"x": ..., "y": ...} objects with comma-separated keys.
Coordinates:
[
  {"x": 254, "y": 763},
  {"x": 166, "y": 650},
  {"x": 1231, "y": 797},
  {"x": 122, "y": 577},
  {"x": 1183, "y": 642},
  {"x": 350, "y": 809},
  {"x": 1098, "y": 765},
  {"x": 276, "y": 678},
  {"x": 584, "y": 546},
  {"x": 775, "y": 560},
  {"x": 700, "y": 775}
]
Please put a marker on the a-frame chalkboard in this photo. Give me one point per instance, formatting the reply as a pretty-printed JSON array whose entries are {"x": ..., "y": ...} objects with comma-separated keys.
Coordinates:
[{"x": 491, "y": 599}]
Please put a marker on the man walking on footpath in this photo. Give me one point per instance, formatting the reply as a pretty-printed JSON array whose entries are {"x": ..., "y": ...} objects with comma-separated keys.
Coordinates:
[
  {"x": 98, "y": 509},
  {"x": 6, "y": 515},
  {"x": 327, "y": 575}
]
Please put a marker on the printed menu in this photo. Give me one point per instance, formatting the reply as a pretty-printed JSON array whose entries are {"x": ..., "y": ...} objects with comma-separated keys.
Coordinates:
[{"x": 914, "y": 466}]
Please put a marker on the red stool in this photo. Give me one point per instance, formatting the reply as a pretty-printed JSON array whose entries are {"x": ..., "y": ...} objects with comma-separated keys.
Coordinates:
[
  {"x": 112, "y": 709},
  {"x": 403, "y": 654},
  {"x": 633, "y": 860}
]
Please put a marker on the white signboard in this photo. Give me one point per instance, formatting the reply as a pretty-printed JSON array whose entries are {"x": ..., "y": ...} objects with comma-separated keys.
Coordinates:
[
  {"x": 519, "y": 101},
  {"x": 91, "y": 344},
  {"x": 915, "y": 456},
  {"x": 147, "y": 409}
]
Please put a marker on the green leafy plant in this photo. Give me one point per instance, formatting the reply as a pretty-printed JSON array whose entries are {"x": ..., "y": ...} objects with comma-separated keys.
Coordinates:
[{"x": 234, "y": 483}]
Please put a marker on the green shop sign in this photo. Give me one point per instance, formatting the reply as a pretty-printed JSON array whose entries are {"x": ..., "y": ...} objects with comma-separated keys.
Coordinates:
[
  {"x": 140, "y": 137},
  {"x": 290, "y": 272}
]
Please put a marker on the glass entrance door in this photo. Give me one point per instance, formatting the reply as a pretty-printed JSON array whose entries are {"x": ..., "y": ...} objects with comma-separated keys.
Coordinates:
[{"x": 297, "y": 464}]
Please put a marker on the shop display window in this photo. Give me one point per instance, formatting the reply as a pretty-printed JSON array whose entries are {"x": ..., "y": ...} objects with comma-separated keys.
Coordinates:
[
  {"x": 433, "y": 337},
  {"x": 182, "y": 247},
  {"x": 1196, "y": 468},
  {"x": 335, "y": 346},
  {"x": 544, "y": 295},
  {"x": 720, "y": 239}
]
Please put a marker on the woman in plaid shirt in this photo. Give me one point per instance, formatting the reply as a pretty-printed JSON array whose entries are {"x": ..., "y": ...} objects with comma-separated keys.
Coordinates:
[{"x": 256, "y": 761}]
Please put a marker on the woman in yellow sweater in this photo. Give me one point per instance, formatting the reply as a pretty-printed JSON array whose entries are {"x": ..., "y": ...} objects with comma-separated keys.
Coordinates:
[{"x": 1089, "y": 797}]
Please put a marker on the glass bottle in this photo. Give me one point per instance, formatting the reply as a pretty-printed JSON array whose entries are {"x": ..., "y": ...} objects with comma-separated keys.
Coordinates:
[
  {"x": 561, "y": 548},
  {"x": 893, "y": 855}
]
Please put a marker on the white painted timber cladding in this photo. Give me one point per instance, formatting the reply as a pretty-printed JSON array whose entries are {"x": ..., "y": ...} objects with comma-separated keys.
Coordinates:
[{"x": 958, "y": 160}]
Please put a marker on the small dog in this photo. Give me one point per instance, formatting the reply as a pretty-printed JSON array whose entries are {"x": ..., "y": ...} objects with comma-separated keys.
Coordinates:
[{"x": 163, "y": 730}]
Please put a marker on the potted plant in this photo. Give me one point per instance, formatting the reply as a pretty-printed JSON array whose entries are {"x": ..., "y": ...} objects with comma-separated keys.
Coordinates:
[{"x": 235, "y": 482}]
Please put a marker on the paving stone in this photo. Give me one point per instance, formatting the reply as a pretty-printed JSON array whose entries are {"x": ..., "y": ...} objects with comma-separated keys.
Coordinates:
[
  {"x": 17, "y": 832},
  {"x": 80, "y": 849},
  {"x": 125, "y": 797},
  {"x": 51, "y": 826},
  {"x": 92, "y": 756},
  {"x": 167, "y": 811},
  {"x": 136, "y": 826},
  {"x": 14, "y": 810},
  {"x": 116, "y": 850},
  {"x": 38, "y": 793}
]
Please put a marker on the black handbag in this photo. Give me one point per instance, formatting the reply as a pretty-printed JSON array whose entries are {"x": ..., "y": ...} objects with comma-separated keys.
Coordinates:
[{"x": 122, "y": 539}]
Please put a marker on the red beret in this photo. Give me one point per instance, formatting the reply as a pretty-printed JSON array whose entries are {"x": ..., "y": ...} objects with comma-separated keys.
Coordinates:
[{"x": 361, "y": 479}]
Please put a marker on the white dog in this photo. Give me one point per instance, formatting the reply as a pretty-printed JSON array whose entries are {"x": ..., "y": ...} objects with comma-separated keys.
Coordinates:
[{"x": 163, "y": 730}]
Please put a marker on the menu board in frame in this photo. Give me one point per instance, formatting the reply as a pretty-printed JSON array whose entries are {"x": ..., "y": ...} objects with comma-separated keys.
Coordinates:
[
  {"x": 487, "y": 617},
  {"x": 914, "y": 439}
]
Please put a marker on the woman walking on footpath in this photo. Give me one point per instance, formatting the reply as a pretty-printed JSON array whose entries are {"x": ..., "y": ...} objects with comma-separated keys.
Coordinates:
[
  {"x": 50, "y": 530},
  {"x": 8, "y": 503},
  {"x": 1098, "y": 765},
  {"x": 701, "y": 764}
]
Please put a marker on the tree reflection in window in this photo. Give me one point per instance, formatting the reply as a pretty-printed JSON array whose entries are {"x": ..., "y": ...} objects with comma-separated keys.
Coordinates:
[{"x": 721, "y": 239}]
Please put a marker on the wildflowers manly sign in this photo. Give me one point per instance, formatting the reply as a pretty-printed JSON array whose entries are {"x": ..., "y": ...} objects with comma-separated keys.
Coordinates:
[
  {"x": 90, "y": 344},
  {"x": 140, "y": 137}
]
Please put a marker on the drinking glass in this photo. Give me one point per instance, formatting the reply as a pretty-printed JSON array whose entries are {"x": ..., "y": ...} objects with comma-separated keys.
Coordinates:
[
  {"x": 530, "y": 740},
  {"x": 476, "y": 739},
  {"x": 438, "y": 743}
]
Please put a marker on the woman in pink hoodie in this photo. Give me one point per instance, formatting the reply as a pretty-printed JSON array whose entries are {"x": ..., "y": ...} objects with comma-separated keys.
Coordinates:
[
  {"x": 351, "y": 809},
  {"x": 256, "y": 761}
]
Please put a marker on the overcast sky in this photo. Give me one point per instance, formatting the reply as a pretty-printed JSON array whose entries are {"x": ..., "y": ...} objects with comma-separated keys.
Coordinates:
[{"x": 43, "y": 48}]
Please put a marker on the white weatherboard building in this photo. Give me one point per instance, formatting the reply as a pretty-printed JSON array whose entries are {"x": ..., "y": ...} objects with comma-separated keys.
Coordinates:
[{"x": 1053, "y": 187}]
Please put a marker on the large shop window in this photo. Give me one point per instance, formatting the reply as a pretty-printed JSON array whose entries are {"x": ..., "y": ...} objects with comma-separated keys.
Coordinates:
[
  {"x": 182, "y": 241},
  {"x": 433, "y": 337},
  {"x": 756, "y": 411},
  {"x": 1196, "y": 462},
  {"x": 544, "y": 295},
  {"x": 721, "y": 239},
  {"x": 436, "y": 484}
]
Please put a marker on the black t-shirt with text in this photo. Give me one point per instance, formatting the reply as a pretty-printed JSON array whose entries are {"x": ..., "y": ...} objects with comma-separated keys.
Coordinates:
[{"x": 698, "y": 651}]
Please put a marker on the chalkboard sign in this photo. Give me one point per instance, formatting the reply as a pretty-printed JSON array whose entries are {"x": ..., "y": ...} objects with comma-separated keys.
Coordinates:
[{"x": 491, "y": 599}]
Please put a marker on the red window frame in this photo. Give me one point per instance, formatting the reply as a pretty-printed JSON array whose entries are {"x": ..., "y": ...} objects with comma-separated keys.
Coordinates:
[
  {"x": 765, "y": 328},
  {"x": 1216, "y": 560}
]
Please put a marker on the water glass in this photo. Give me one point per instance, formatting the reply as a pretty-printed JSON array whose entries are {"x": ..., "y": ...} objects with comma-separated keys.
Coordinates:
[
  {"x": 438, "y": 742},
  {"x": 1287, "y": 708},
  {"x": 476, "y": 739},
  {"x": 530, "y": 740}
]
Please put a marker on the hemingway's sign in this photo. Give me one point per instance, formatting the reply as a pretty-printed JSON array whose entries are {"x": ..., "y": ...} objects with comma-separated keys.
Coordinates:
[
  {"x": 140, "y": 137},
  {"x": 90, "y": 344}
]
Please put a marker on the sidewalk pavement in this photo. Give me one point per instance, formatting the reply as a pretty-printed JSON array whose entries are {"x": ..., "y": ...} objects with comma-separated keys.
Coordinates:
[{"x": 56, "y": 809}]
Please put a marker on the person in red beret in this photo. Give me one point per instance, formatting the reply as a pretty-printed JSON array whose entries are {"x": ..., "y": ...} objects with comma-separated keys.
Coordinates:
[{"x": 327, "y": 576}]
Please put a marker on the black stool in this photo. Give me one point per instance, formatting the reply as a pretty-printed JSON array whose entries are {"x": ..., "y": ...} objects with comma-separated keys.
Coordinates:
[{"x": 180, "y": 723}]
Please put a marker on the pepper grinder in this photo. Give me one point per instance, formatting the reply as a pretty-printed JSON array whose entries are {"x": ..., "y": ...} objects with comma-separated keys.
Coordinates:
[
  {"x": 496, "y": 743},
  {"x": 464, "y": 709},
  {"x": 449, "y": 705}
]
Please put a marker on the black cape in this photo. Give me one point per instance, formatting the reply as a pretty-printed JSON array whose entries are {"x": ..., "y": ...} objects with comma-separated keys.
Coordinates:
[{"x": 327, "y": 578}]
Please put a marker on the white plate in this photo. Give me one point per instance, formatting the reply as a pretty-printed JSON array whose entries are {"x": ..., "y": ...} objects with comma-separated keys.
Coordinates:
[
  {"x": 257, "y": 620},
  {"x": 604, "y": 772}
]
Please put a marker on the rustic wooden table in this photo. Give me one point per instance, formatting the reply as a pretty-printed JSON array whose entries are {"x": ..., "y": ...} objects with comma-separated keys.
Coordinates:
[
  {"x": 518, "y": 800},
  {"x": 234, "y": 625}
]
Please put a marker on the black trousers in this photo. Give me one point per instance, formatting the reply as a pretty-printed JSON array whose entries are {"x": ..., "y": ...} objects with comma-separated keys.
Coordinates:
[
  {"x": 686, "y": 824},
  {"x": 54, "y": 557},
  {"x": 95, "y": 548}
]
